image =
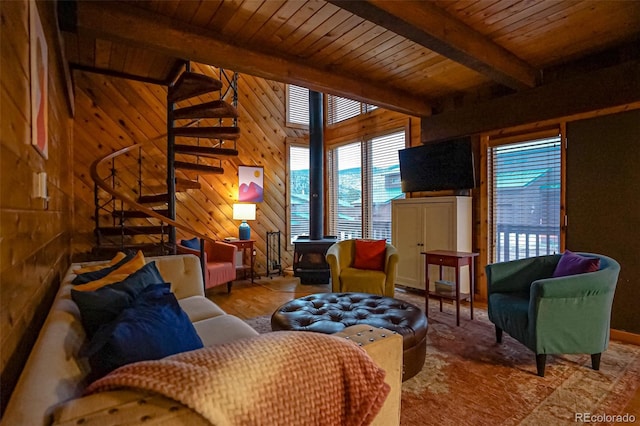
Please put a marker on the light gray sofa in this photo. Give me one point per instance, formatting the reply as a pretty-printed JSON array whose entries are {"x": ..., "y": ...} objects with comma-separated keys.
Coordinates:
[{"x": 50, "y": 389}]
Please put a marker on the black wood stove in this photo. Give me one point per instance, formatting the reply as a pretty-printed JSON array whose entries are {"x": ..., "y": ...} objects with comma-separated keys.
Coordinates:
[{"x": 309, "y": 262}]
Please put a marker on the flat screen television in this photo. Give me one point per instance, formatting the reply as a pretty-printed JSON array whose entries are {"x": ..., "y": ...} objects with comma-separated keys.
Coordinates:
[{"x": 438, "y": 166}]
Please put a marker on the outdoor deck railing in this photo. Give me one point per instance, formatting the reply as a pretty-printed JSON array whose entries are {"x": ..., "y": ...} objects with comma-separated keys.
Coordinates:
[{"x": 522, "y": 241}]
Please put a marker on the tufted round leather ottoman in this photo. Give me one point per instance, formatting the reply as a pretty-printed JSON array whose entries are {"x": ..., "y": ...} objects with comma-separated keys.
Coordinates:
[{"x": 332, "y": 312}]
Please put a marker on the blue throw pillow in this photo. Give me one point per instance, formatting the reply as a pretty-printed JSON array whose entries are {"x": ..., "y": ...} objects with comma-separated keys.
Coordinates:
[
  {"x": 103, "y": 305},
  {"x": 193, "y": 243},
  {"x": 101, "y": 273},
  {"x": 152, "y": 328}
]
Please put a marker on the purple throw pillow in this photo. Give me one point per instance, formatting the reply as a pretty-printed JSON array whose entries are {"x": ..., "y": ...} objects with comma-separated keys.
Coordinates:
[{"x": 572, "y": 264}]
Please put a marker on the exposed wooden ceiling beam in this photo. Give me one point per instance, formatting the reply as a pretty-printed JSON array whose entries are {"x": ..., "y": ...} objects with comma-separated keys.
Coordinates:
[
  {"x": 126, "y": 23},
  {"x": 112, "y": 73},
  {"x": 431, "y": 27},
  {"x": 600, "y": 89}
]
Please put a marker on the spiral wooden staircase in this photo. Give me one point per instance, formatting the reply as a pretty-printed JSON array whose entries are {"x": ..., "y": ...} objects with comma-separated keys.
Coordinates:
[{"x": 135, "y": 211}]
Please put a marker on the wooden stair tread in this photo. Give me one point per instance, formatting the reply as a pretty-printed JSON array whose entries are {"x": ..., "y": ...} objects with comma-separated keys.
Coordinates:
[
  {"x": 184, "y": 184},
  {"x": 133, "y": 230},
  {"x": 129, "y": 214},
  {"x": 204, "y": 150},
  {"x": 202, "y": 168},
  {"x": 153, "y": 199},
  {"x": 192, "y": 84},
  {"x": 218, "y": 132},
  {"x": 214, "y": 109}
]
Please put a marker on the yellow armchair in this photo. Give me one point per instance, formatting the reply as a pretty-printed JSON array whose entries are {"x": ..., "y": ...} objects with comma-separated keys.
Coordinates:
[{"x": 346, "y": 278}]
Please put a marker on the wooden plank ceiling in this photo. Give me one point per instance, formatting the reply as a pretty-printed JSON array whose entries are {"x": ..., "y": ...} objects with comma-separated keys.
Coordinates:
[{"x": 405, "y": 56}]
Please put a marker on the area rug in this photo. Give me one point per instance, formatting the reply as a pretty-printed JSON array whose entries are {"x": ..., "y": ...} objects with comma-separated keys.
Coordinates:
[{"x": 469, "y": 379}]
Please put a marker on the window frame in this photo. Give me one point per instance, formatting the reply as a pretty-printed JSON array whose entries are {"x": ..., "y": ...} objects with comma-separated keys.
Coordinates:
[
  {"x": 287, "y": 104},
  {"x": 332, "y": 101},
  {"x": 331, "y": 173},
  {"x": 366, "y": 156},
  {"x": 489, "y": 141},
  {"x": 291, "y": 142}
]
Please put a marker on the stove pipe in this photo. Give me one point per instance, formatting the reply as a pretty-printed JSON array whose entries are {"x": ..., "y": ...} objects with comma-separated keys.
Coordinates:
[{"x": 316, "y": 167}]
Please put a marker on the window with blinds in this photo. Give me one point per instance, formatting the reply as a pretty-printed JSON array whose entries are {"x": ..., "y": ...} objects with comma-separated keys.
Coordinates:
[
  {"x": 297, "y": 105},
  {"x": 340, "y": 109},
  {"x": 346, "y": 187},
  {"x": 364, "y": 177},
  {"x": 298, "y": 191},
  {"x": 383, "y": 181},
  {"x": 524, "y": 182}
]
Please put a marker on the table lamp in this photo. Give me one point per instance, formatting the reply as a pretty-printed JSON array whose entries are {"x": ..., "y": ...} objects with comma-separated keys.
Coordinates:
[{"x": 244, "y": 212}]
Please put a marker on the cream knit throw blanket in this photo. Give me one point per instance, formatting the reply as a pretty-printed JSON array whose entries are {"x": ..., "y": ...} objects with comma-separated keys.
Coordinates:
[{"x": 282, "y": 378}]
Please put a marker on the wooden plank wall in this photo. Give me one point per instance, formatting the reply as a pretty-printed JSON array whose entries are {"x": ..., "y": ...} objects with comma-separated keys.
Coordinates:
[
  {"x": 34, "y": 236},
  {"x": 111, "y": 113},
  {"x": 115, "y": 112}
]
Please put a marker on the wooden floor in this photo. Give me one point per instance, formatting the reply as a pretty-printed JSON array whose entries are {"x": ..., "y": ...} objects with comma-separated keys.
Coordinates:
[
  {"x": 263, "y": 296},
  {"x": 250, "y": 300}
]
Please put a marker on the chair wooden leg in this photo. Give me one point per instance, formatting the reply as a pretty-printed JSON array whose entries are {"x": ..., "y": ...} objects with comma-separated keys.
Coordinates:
[
  {"x": 498, "y": 334},
  {"x": 229, "y": 286},
  {"x": 541, "y": 360},
  {"x": 595, "y": 361}
]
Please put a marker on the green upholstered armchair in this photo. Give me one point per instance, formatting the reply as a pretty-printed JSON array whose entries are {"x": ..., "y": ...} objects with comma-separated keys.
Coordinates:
[
  {"x": 345, "y": 278},
  {"x": 564, "y": 315}
]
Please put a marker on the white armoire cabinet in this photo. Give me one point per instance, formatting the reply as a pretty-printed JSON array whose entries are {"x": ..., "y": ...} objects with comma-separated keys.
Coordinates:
[{"x": 430, "y": 223}]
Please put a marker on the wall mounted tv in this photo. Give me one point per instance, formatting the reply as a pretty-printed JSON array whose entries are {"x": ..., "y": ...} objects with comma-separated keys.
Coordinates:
[{"x": 438, "y": 166}]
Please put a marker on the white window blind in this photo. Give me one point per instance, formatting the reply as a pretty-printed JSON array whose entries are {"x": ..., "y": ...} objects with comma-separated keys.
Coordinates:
[
  {"x": 340, "y": 109},
  {"x": 524, "y": 198},
  {"x": 298, "y": 191},
  {"x": 297, "y": 105},
  {"x": 383, "y": 172},
  {"x": 363, "y": 179},
  {"x": 346, "y": 185}
]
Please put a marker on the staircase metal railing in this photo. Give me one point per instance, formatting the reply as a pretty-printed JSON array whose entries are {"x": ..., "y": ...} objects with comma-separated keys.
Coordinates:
[
  {"x": 171, "y": 171},
  {"x": 110, "y": 209},
  {"x": 105, "y": 182},
  {"x": 230, "y": 86},
  {"x": 122, "y": 184}
]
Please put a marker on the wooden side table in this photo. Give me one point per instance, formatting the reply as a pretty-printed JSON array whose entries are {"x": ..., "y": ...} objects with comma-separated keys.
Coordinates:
[
  {"x": 454, "y": 259},
  {"x": 248, "y": 259}
]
